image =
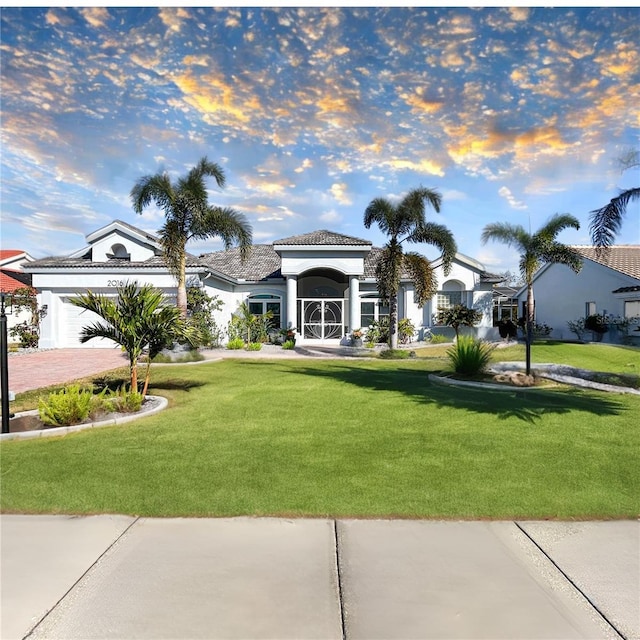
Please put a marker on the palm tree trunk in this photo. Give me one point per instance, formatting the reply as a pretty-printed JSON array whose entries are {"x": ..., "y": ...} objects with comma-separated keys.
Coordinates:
[
  {"x": 133, "y": 369},
  {"x": 529, "y": 338},
  {"x": 181, "y": 301},
  {"x": 393, "y": 320}
]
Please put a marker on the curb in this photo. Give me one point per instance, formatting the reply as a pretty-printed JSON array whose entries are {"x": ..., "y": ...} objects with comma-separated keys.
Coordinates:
[{"x": 63, "y": 431}]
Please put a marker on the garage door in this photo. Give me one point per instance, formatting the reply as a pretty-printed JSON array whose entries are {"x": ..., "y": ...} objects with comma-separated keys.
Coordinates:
[{"x": 73, "y": 320}]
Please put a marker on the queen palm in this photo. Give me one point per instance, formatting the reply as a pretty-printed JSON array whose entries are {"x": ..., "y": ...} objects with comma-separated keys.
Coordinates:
[
  {"x": 535, "y": 250},
  {"x": 405, "y": 222},
  {"x": 189, "y": 216}
]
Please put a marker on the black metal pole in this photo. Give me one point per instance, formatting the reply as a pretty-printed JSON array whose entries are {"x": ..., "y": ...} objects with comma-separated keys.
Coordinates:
[{"x": 4, "y": 366}]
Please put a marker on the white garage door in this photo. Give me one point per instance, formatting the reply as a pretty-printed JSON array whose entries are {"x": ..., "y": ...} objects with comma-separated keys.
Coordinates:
[{"x": 73, "y": 320}]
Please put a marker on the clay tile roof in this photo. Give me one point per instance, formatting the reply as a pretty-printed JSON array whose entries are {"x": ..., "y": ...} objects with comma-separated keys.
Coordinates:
[
  {"x": 11, "y": 280},
  {"x": 624, "y": 258},
  {"x": 10, "y": 253},
  {"x": 324, "y": 237},
  {"x": 261, "y": 262}
]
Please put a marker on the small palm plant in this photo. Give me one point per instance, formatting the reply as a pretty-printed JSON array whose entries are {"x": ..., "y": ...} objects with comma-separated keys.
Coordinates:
[
  {"x": 136, "y": 319},
  {"x": 470, "y": 356}
]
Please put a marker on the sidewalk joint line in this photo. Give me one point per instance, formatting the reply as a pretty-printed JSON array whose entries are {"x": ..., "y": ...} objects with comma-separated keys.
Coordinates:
[
  {"x": 573, "y": 584},
  {"x": 73, "y": 586},
  {"x": 339, "y": 576}
]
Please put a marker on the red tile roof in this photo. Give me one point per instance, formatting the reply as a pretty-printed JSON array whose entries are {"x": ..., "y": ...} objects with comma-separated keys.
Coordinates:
[
  {"x": 12, "y": 280},
  {"x": 10, "y": 253}
]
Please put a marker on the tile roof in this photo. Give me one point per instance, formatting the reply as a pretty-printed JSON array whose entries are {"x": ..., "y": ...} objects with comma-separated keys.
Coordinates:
[
  {"x": 262, "y": 262},
  {"x": 624, "y": 258},
  {"x": 11, "y": 280},
  {"x": 10, "y": 253},
  {"x": 63, "y": 262},
  {"x": 324, "y": 237}
]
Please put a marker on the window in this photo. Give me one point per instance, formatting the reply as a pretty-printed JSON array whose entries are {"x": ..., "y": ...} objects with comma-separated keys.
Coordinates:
[
  {"x": 632, "y": 309},
  {"x": 590, "y": 309},
  {"x": 371, "y": 310},
  {"x": 261, "y": 304},
  {"x": 448, "y": 299}
]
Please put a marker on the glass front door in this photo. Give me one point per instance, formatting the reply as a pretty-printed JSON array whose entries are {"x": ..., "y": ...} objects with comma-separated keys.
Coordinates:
[{"x": 322, "y": 319}]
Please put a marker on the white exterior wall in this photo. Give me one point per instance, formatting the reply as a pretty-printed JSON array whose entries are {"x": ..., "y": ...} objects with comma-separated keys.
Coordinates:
[
  {"x": 139, "y": 252},
  {"x": 561, "y": 295}
]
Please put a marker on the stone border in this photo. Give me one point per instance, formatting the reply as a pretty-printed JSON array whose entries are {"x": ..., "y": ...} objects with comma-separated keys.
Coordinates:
[
  {"x": 452, "y": 382},
  {"x": 161, "y": 403}
]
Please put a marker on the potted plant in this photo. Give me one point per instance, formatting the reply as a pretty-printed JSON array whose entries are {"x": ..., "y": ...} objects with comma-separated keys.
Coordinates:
[{"x": 356, "y": 338}]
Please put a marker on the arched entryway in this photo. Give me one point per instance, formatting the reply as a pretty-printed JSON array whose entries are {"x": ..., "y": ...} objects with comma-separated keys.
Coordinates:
[{"x": 322, "y": 305}]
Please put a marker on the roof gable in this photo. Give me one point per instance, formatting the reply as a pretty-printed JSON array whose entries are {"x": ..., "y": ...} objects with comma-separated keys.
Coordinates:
[{"x": 624, "y": 258}]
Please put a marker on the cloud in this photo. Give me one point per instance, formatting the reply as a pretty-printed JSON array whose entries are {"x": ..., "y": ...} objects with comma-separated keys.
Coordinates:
[
  {"x": 96, "y": 16},
  {"x": 505, "y": 192},
  {"x": 339, "y": 192}
]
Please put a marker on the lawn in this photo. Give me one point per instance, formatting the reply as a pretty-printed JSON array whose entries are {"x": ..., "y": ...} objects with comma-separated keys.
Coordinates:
[{"x": 345, "y": 438}]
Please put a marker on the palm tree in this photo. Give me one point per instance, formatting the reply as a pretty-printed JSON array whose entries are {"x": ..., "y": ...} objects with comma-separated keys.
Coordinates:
[
  {"x": 136, "y": 319},
  {"x": 535, "y": 250},
  {"x": 405, "y": 222},
  {"x": 605, "y": 222},
  {"x": 188, "y": 216}
]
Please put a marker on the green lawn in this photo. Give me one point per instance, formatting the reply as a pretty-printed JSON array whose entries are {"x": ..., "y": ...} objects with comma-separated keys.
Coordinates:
[{"x": 346, "y": 438}]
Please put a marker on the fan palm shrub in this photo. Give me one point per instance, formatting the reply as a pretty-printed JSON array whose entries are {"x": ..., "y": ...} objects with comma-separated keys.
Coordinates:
[{"x": 470, "y": 356}]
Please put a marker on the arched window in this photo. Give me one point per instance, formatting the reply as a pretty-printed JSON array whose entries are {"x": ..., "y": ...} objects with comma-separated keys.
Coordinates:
[
  {"x": 450, "y": 295},
  {"x": 119, "y": 252},
  {"x": 264, "y": 302}
]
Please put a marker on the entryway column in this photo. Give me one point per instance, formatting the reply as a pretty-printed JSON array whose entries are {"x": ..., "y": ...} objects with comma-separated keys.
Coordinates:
[
  {"x": 292, "y": 300},
  {"x": 354, "y": 303}
]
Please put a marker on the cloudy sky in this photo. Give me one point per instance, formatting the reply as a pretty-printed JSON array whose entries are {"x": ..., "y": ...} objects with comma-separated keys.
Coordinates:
[{"x": 513, "y": 114}]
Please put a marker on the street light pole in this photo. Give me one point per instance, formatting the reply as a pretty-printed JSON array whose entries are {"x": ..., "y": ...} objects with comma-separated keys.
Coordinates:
[{"x": 4, "y": 365}]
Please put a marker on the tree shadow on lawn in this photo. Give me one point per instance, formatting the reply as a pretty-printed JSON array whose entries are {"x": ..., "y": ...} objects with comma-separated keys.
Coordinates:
[{"x": 529, "y": 406}]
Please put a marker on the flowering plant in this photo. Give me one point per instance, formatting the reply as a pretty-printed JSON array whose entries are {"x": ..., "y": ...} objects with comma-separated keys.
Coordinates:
[{"x": 357, "y": 333}]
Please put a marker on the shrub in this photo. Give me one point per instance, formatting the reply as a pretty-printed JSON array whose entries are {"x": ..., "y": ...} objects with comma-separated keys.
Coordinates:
[
  {"x": 235, "y": 343},
  {"x": 254, "y": 346},
  {"x": 577, "y": 327},
  {"x": 508, "y": 329},
  {"x": 438, "y": 338},
  {"x": 378, "y": 331},
  {"x": 71, "y": 405},
  {"x": 184, "y": 356},
  {"x": 289, "y": 344},
  {"x": 200, "y": 308},
  {"x": 469, "y": 356},
  {"x": 458, "y": 316},
  {"x": 406, "y": 330},
  {"x": 123, "y": 401},
  {"x": 395, "y": 354},
  {"x": 596, "y": 323},
  {"x": 26, "y": 333}
]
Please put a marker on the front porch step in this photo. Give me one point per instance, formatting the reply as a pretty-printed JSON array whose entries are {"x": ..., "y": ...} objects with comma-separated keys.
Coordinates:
[{"x": 325, "y": 351}]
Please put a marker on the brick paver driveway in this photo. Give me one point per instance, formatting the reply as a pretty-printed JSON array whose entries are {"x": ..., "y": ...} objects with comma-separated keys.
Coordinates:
[{"x": 58, "y": 366}]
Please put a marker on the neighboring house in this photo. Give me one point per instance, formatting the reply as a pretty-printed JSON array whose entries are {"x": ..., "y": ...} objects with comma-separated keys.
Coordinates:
[
  {"x": 608, "y": 284},
  {"x": 12, "y": 277},
  {"x": 321, "y": 283}
]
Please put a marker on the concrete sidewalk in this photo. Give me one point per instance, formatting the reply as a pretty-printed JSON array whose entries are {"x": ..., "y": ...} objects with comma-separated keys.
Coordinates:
[{"x": 125, "y": 577}]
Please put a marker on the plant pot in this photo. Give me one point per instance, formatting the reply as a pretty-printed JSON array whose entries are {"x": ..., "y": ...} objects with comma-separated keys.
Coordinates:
[{"x": 356, "y": 342}]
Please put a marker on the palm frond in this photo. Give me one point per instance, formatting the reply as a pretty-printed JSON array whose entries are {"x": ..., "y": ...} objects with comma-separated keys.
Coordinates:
[
  {"x": 562, "y": 254},
  {"x": 513, "y": 235},
  {"x": 228, "y": 224},
  {"x": 380, "y": 211},
  {"x": 156, "y": 188},
  {"x": 439, "y": 236},
  {"x": 422, "y": 275},
  {"x": 605, "y": 223},
  {"x": 557, "y": 223}
]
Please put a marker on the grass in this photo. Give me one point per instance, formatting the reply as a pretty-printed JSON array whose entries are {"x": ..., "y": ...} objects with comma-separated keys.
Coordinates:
[{"x": 343, "y": 438}]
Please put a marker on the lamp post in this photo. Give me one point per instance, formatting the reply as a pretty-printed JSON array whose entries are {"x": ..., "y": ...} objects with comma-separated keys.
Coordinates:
[{"x": 4, "y": 364}]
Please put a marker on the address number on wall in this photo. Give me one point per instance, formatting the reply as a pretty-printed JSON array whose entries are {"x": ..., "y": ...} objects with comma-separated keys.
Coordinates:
[{"x": 115, "y": 283}]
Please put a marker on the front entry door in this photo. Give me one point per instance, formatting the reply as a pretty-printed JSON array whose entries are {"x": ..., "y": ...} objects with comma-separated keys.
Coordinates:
[{"x": 322, "y": 319}]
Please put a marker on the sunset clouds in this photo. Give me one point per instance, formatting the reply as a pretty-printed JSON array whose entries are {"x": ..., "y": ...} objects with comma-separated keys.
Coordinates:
[{"x": 315, "y": 111}]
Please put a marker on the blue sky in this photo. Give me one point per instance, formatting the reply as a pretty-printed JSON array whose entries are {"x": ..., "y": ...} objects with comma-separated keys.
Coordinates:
[{"x": 513, "y": 114}]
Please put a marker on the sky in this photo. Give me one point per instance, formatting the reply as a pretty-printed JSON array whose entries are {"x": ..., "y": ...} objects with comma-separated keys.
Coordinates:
[{"x": 511, "y": 114}]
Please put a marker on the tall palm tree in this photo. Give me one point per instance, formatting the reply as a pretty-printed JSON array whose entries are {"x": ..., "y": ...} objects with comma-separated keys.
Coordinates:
[
  {"x": 405, "y": 222},
  {"x": 605, "y": 222},
  {"x": 136, "y": 319},
  {"x": 535, "y": 250},
  {"x": 188, "y": 216}
]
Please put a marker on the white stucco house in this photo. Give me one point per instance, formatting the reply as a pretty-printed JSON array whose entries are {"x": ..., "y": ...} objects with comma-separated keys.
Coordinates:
[
  {"x": 321, "y": 283},
  {"x": 608, "y": 284}
]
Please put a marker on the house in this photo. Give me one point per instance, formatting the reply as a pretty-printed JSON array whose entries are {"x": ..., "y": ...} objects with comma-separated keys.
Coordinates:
[
  {"x": 12, "y": 277},
  {"x": 608, "y": 284},
  {"x": 321, "y": 283}
]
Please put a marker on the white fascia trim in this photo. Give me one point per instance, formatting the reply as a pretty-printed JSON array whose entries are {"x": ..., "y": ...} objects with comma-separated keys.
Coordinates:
[
  {"x": 322, "y": 247},
  {"x": 127, "y": 231}
]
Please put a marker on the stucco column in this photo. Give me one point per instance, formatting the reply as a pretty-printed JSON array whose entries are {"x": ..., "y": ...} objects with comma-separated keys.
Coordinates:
[
  {"x": 292, "y": 298},
  {"x": 354, "y": 303}
]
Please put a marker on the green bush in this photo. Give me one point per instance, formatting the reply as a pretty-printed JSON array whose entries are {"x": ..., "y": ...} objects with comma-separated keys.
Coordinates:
[
  {"x": 123, "y": 401},
  {"x": 72, "y": 405},
  {"x": 406, "y": 330},
  {"x": 395, "y": 354},
  {"x": 469, "y": 356},
  {"x": 438, "y": 338},
  {"x": 193, "y": 355},
  {"x": 289, "y": 344},
  {"x": 26, "y": 333},
  {"x": 254, "y": 346},
  {"x": 235, "y": 343}
]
